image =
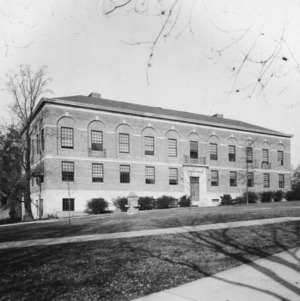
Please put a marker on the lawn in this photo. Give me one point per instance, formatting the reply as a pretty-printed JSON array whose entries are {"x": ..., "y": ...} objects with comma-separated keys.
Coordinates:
[
  {"x": 110, "y": 223},
  {"x": 125, "y": 269}
]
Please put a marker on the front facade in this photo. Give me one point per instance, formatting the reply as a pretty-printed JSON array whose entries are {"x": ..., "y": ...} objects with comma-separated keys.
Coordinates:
[{"x": 88, "y": 147}]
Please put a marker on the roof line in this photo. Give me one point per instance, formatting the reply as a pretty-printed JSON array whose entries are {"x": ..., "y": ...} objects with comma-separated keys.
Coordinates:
[{"x": 162, "y": 117}]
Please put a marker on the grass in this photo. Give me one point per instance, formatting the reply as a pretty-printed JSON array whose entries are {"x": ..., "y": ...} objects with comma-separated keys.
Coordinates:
[
  {"x": 125, "y": 269},
  {"x": 110, "y": 223}
]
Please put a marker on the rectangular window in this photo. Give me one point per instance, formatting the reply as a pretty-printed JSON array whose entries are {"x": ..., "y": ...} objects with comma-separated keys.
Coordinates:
[
  {"x": 266, "y": 180},
  {"x": 194, "y": 149},
  {"x": 123, "y": 143},
  {"x": 68, "y": 204},
  {"x": 42, "y": 140},
  {"x": 149, "y": 145},
  {"x": 265, "y": 156},
  {"x": 67, "y": 137},
  {"x": 67, "y": 171},
  {"x": 124, "y": 174},
  {"x": 281, "y": 181},
  {"x": 214, "y": 178},
  {"x": 231, "y": 153},
  {"x": 250, "y": 179},
  {"x": 249, "y": 154},
  {"x": 97, "y": 143},
  {"x": 37, "y": 144},
  {"x": 233, "y": 179},
  {"x": 173, "y": 176},
  {"x": 213, "y": 151},
  {"x": 172, "y": 148},
  {"x": 97, "y": 172},
  {"x": 280, "y": 157},
  {"x": 150, "y": 175},
  {"x": 32, "y": 150}
]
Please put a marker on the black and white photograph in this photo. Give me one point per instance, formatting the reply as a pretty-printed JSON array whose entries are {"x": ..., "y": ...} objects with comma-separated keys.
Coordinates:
[{"x": 150, "y": 150}]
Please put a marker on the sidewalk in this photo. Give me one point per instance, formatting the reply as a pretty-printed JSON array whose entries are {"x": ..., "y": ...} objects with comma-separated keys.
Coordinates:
[
  {"x": 94, "y": 237},
  {"x": 272, "y": 278}
]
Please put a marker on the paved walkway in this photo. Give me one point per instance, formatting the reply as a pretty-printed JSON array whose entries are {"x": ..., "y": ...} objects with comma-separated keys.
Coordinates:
[
  {"x": 272, "y": 278},
  {"x": 177, "y": 230}
]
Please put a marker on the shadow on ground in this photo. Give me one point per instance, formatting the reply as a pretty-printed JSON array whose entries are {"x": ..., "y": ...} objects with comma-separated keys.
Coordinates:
[{"x": 125, "y": 269}]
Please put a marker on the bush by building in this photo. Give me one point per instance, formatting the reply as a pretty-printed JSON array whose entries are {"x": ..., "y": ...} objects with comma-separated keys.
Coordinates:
[
  {"x": 121, "y": 203},
  {"x": 96, "y": 206},
  {"x": 146, "y": 203},
  {"x": 278, "y": 195},
  {"x": 185, "y": 201},
  {"x": 226, "y": 199},
  {"x": 252, "y": 197},
  {"x": 266, "y": 196},
  {"x": 164, "y": 202}
]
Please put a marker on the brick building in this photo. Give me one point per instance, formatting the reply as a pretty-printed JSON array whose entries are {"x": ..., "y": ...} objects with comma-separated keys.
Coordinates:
[{"x": 85, "y": 147}]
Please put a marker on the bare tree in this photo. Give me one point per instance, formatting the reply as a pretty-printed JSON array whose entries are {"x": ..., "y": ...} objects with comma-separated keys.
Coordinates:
[
  {"x": 26, "y": 86},
  {"x": 260, "y": 56}
]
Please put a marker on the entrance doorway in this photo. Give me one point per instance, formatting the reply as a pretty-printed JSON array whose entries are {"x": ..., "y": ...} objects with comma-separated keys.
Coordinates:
[{"x": 194, "y": 182}]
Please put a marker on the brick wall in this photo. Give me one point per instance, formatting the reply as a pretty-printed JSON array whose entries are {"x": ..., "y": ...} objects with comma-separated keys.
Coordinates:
[{"x": 111, "y": 124}]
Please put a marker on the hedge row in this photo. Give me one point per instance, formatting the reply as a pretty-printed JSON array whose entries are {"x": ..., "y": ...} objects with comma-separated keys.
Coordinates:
[{"x": 253, "y": 197}]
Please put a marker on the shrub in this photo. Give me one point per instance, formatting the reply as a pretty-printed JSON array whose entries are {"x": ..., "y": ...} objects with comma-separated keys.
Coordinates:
[
  {"x": 226, "y": 199},
  {"x": 121, "y": 203},
  {"x": 252, "y": 197},
  {"x": 278, "y": 195},
  {"x": 294, "y": 194},
  {"x": 164, "y": 202},
  {"x": 146, "y": 203},
  {"x": 185, "y": 201},
  {"x": 291, "y": 196},
  {"x": 51, "y": 215},
  {"x": 266, "y": 196},
  {"x": 96, "y": 206},
  {"x": 10, "y": 220},
  {"x": 239, "y": 200}
]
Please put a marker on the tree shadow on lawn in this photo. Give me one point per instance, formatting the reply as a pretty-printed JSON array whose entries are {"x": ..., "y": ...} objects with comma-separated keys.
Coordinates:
[
  {"x": 238, "y": 250},
  {"x": 125, "y": 269}
]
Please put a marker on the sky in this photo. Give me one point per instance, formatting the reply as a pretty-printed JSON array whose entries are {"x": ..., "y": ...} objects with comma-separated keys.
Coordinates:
[{"x": 237, "y": 58}]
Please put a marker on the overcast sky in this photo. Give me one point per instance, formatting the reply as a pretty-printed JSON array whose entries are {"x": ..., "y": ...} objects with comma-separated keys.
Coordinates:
[{"x": 88, "y": 51}]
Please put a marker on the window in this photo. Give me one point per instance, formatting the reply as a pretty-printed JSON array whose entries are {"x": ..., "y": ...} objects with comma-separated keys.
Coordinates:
[
  {"x": 66, "y": 137},
  {"x": 97, "y": 143},
  {"x": 266, "y": 180},
  {"x": 124, "y": 174},
  {"x": 150, "y": 175},
  {"x": 214, "y": 178},
  {"x": 149, "y": 145},
  {"x": 123, "y": 143},
  {"x": 172, "y": 148},
  {"x": 32, "y": 150},
  {"x": 280, "y": 157},
  {"x": 233, "y": 179},
  {"x": 67, "y": 171},
  {"x": 250, "y": 179},
  {"x": 265, "y": 156},
  {"x": 231, "y": 154},
  {"x": 281, "y": 181},
  {"x": 194, "y": 149},
  {"x": 42, "y": 140},
  {"x": 68, "y": 204},
  {"x": 37, "y": 144},
  {"x": 249, "y": 154},
  {"x": 213, "y": 151},
  {"x": 173, "y": 176},
  {"x": 97, "y": 172}
]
